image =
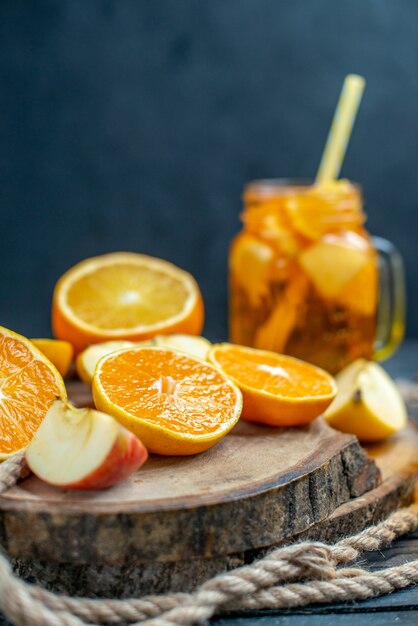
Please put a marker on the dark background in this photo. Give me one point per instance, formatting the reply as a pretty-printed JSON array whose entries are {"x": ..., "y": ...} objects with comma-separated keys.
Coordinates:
[{"x": 133, "y": 125}]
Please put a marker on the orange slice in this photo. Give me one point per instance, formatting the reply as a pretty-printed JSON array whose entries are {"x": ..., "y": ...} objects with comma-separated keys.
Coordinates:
[
  {"x": 60, "y": 353},
  {"x": 175, "y": 403},
  {"x": 277, "y": 390},
  {"x": 315, "y": 210},
  {"x": 29, "y": 384},
  {"x": 124, "y": 296}
]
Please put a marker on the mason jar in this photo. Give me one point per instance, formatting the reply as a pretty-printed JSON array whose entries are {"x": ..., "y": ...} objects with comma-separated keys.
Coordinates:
[{"x": 307, "y": 279}]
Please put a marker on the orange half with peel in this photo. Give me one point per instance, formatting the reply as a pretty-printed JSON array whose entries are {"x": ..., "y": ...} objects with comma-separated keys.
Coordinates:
[
  {"x": 175, "y": 403},
  {"x": 29, "y": 384},
  {"x": 124, "y": 295},
  {"x": 277, "y": 390}
]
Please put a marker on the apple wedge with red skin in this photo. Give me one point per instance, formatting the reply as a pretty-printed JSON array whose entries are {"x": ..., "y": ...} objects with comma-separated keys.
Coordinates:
[{"x": 83, "y": 449}]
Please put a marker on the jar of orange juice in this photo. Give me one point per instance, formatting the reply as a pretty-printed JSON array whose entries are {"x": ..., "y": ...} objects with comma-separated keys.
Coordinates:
[{"x": 305, "y": 279}]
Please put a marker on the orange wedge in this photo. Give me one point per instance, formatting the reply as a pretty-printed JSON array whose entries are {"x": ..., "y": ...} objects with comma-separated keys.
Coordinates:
[
  {"x": 29, "y": 384},
  {"x": 277, "y": 390},
  {"x": 175, "y": 403},
  {"x": 124, "y": 296},
  {"x": 60, "y": 353}
]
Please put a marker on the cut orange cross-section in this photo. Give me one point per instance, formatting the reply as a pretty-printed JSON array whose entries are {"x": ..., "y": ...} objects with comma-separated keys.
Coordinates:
[
  {"x": 175, "y": 403},
  {"x": 277, "y": 390},
  {"x": 125, "y": 295},
  {"x": 29, "y": 384}
]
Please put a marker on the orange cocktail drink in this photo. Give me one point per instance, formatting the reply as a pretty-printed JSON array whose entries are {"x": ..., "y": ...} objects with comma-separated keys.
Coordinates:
[{"x": 304, "y": 273}]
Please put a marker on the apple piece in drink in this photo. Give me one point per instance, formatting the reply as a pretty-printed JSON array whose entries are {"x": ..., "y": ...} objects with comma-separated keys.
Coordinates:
[
  {"x": 360, "y": 293},
  {"x": 250, "y": 263},
  {"x": 333, "y": 261}
]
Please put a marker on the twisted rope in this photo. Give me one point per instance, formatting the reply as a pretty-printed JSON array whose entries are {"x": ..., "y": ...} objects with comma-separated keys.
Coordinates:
[{"x": 287, "y": 577}]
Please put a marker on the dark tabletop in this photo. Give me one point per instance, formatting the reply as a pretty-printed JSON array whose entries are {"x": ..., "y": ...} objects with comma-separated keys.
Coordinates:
[{"x": 400, "y": 607}]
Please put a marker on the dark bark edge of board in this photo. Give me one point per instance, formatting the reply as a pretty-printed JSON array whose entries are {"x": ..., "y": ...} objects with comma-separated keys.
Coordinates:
[
  {"x": 228, "y": 527},
  {"x": 136, "y": 579}
]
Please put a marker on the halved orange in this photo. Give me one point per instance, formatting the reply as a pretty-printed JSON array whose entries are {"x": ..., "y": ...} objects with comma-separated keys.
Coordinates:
[
  {"x": 29, "y": 384},
  {"x": 277, "y": 390},
  {"x": 60, "y": 353},
  {"x": 175, "y": 403},
  {"x": 124, "y": 295}
]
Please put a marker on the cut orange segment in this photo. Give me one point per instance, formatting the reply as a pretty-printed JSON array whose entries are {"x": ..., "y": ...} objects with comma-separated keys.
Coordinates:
[
  {"x": 277, "y": 390},
  {"x": 29, "y": 384},
  {"x": 125, "y": 296},
  {"x": 60, "y": 353},
  {"x": 175, "y": 403}
]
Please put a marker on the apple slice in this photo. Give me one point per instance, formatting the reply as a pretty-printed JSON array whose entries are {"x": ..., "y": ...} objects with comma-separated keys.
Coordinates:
[
  {"x": 88, "y": 359},
  {"x": 334, "y": 261},
  {"x": 83, "y": 449},
  {"x": 368, "y": 403},
  {"x": 195, "y": 345}
]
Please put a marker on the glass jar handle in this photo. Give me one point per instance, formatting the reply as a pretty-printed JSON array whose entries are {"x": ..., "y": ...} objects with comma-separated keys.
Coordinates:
[{"x": 390, "y": 325}]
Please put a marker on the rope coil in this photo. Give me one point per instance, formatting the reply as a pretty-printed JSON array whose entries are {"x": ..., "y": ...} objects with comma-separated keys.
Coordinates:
[{"x": 288, "y": 577}]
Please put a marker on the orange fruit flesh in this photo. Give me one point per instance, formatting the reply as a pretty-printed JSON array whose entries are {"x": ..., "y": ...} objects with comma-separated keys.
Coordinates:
[
  {"x": 314, "y": 211},
  {"x": 274, "y": 374},
  {"x": 277, "y": 389},
  {"x": 177, "y": 393},
  {"x": 125, "y": 296},
  {"x": 28, "y": 386},
  {"x": 175, "y": 403}
]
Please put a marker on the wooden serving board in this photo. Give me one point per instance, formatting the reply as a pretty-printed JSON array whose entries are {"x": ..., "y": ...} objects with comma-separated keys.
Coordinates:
[{"x": 180, "y": 520}]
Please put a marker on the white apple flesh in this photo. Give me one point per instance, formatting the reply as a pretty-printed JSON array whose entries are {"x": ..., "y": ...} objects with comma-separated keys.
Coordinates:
[
  {"x": 368, "y": 403},
  {"x": 83, "y": 449},
  {"x": 334, "y": 261}
]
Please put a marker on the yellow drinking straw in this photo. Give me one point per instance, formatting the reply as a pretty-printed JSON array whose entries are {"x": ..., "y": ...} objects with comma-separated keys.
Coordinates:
[{"x": 340, "y": 131}]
